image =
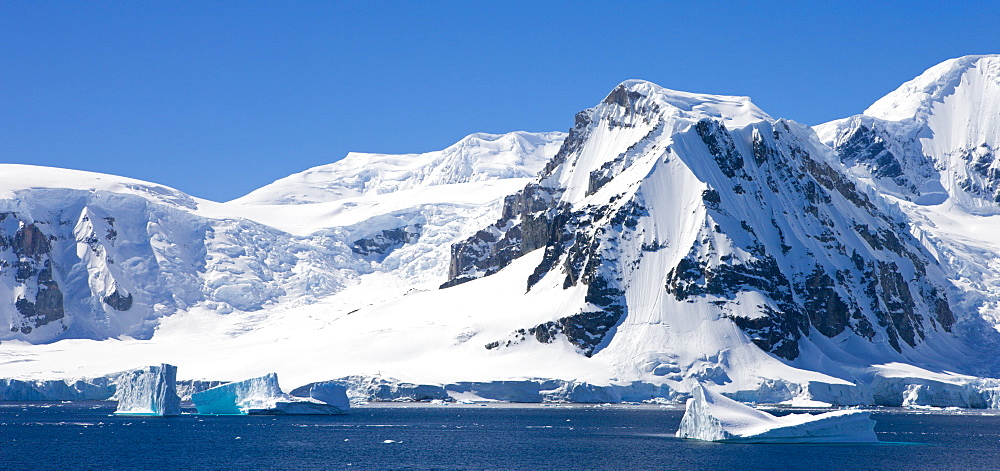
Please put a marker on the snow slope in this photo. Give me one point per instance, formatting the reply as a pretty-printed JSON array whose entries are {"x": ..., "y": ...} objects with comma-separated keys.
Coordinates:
[{"x": 476, "y": 158}]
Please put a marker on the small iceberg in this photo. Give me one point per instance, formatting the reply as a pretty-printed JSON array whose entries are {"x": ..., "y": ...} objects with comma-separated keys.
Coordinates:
[
  {"x": 148, "y": 391},
  {"x": 262, "y": 395},
  {"x": 328, "y": 392},
  {"x": 710, "y": 416}
]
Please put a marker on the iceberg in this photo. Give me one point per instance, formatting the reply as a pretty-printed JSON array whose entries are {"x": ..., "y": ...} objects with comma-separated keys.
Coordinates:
[
  {"x": 329, "y": 392},
  {"x": 151, "y": 390},
  {"x": 262, "y": 395},
  {"x": 710, "y": 416}
]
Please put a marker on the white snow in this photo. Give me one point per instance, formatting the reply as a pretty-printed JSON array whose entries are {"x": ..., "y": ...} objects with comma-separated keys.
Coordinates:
[
  {"x": 16, "y": 180},
  {"x": 710, "y": 416},
  {"x": 168, "y": 252},
  {"x": 948, "y": 117},
  {"x": 476, "y": 158},
  {"x": 919, "y": 95},
  {"x": 151, "y": 390}
]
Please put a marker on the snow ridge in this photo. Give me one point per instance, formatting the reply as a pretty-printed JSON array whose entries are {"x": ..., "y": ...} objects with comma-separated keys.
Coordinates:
[
  {"x": 477, "y": 157},
  {"x": 917, "y": 97},
  {"x": 933, "y": 139}
]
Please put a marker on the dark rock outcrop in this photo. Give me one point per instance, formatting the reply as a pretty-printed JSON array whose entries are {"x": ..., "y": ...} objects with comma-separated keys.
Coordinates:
[
  {"x": 382, "y": 243},
  {"x": 118, "y": 301}
]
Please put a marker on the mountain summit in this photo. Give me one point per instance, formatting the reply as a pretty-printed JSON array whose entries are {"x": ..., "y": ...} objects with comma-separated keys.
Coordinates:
[
  {"x": 695, "y": 227},
  {"x": 935, "y": 138}
]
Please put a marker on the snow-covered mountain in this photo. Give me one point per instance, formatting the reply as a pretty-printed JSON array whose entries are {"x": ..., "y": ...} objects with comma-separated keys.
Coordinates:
[
  {"x": 934, "y": 138},
  {"x": 669, "y": 238},
  {"x": 98, "y": 256},
  {"x": 697, "y": 233},
  {"x": 931, "y": 147},
  {"x": 89, "y": 255}
]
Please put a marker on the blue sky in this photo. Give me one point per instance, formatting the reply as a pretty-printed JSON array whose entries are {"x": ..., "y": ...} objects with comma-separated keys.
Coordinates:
[{"x": 219, "y": 98}]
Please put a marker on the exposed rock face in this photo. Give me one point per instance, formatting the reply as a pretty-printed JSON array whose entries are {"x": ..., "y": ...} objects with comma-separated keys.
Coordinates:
[
  {"x": 899, "y": 166},
  {"x": 66, "y": 273},
  {"x": 118, "y": 301},
  {"x": 827, "y": 297},
  {"x": 27, "y": 250},
  {"x": 100, "y": 264},
  {"x": 385, "y": 241},
  {"x": 983, "y": 178},
  {"x": 523, "y": 227},
  {"x": 48, "y": 305},
  {"x": 29, "y": 241}
]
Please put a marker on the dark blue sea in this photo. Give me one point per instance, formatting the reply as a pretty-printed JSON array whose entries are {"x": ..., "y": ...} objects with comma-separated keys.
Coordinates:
[{"x": 85, "y": 435}]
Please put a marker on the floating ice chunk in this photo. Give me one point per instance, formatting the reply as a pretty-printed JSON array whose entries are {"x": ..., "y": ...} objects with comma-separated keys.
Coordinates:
[
  {"x": 151, "y": 390},
  {"x": 239, "y": 397},
  {"x": 260, "y": 395},
  {"x": 330, "y": 392},
  {"x": 711, "y": 416}
]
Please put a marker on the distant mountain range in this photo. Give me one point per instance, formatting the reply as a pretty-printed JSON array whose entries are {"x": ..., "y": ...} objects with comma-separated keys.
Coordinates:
[{"x": 669, "y": 238}]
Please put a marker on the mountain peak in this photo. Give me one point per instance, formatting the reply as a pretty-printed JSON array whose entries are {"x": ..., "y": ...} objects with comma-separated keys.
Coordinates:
[
  {"x": 736, "y": 110},
  {"x": 916, "y": 97}
]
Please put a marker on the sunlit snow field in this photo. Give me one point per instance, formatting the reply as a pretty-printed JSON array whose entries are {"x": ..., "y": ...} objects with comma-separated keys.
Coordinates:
[{"x": 86, "y": 435}]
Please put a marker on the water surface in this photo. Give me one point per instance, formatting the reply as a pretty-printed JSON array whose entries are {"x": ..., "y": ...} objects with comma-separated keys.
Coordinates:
[{"x": 85, "y": 435}]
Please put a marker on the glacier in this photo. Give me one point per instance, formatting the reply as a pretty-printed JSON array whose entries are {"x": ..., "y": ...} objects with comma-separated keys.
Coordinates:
[
  {"x": 710, "y": 416},
  {"x": 381, "y": 389},
  {"x": 70, "y": 389},
  {"x": 150, "y": 390},
  {"x": 263, "y": 395},
  {"x": 100, "y": 388}
]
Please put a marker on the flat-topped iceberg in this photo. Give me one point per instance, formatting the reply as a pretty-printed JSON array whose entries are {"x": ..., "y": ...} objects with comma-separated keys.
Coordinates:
[
  {"x": 713, "y": 417},
  {"x": 151, "y": 390},
  {"x": 262, "y": 395}
]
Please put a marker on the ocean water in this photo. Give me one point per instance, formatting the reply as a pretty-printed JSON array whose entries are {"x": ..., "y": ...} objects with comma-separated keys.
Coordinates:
[{"x": 85, "y": 435}]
